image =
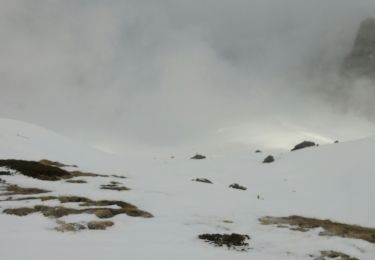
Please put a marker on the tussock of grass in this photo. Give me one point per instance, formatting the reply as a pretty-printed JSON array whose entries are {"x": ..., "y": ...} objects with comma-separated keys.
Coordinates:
[{"x": 298, "y": 223}]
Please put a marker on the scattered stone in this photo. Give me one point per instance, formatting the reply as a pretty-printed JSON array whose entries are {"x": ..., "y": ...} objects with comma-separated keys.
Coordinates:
[
  {"x": 269, "y": 159},
  {"x": 237, "y": 186},
  {"x": 325, "y": 255},
  {"x": 99, "y": 225},
  {"x": 76, "y": 181},
  {"x": 258, "y": 151},
  {"x": 298, "y": 223},
  {"x": 336, "y": 142},
  {"x": 202, "y": 180},
  {"x": 198, "y": 157},
  {"x": 302, "y": 145},
  {"x": 232, "y": 241}
]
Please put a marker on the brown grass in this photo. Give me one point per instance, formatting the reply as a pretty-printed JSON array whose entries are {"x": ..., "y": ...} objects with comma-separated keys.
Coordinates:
[
  {"x": 91, "y": 207},
  {"x": 55, "y": 163},
  {"x": 17, "y": 190},
  {"x": 331, "y": 228},
  {"x": 334, "y": 255}
]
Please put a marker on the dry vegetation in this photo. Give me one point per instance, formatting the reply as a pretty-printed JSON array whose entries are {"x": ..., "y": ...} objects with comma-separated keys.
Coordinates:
[
  {"x": 113, "y": 185},
  {"x": 96, "y": 207},
  {"x": 232, "y": 241},
  {"x": 298, "y": 223}
]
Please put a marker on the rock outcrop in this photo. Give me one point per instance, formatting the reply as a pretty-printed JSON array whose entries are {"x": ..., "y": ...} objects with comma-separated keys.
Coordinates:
[{"x": 361, "y": 60}]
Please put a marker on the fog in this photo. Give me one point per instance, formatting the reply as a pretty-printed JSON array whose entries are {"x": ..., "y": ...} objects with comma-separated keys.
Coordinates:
[{"x": 144, "y": 75}]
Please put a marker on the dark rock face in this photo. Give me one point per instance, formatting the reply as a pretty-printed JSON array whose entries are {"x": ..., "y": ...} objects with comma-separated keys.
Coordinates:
[
  {"x": 198, "y": 157},
  {"x": 302, "y": 145},
  {"x": 361, "y": 60},
  {"x": 269, "y": 159}
]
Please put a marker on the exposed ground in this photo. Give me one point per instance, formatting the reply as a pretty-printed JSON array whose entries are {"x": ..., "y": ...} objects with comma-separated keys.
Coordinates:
[{"x": 303, "y": 224}]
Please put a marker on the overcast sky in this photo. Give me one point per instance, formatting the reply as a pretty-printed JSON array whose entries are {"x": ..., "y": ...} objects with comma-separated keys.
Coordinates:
[{"x": 125, "y": 74}]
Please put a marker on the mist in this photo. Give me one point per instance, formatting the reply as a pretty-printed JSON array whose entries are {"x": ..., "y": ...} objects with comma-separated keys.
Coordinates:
[{"x": 128, "y": 75}]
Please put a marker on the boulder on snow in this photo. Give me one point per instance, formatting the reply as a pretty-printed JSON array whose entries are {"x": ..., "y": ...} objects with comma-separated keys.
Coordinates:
[
  {"x": 204, "y": 180},
  {"x": 198, "y": 157},
  {"x": 269, "y": 159},
  {"x": 237, "y": 186},
  {"x": 302, "y": 145},
  {"x": 361, "y": 60}
]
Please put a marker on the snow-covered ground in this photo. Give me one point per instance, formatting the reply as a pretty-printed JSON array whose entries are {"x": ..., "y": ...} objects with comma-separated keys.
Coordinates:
[{"x": 329, "y": 182}]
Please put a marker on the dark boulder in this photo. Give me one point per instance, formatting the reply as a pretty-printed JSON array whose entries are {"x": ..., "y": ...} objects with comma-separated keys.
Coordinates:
[
  {"x": 198, "y": 157},
  {"x": 269, "y": 159},
  {"x": 237, "y": 186},
  {"x": 302, "y": 145},
  {"x": 204, "y": 180}
]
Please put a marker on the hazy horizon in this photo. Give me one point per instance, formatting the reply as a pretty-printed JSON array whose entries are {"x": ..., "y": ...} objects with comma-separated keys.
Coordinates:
[{"x": 123, "y": 75}]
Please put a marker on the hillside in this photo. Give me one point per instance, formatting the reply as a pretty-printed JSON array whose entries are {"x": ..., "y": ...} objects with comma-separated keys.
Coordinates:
[{"x": 168, "y": 211}]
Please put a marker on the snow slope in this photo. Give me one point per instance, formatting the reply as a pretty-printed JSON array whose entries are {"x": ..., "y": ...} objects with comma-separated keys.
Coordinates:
[{"x": 332, "y": 181}]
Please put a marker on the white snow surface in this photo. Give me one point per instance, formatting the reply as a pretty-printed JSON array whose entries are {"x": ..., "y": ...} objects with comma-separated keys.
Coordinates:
[{"x": 333, "y": 181}]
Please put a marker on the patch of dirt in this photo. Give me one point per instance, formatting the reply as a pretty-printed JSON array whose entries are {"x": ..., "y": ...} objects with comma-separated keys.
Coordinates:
[
  {"x": 76, "y": 181},
  {"x": 232, "y": 241},
  {"x": 118, "y": 176},
  {"x": 69, "y": 227},
  {"x": 113, "y": 185},
  {"x": 24, "y": 211},
  {"x": 86, "y": 174},
  {"x": 11, "y": 190},
  {"x": 326, "y": 255},
  {"x": 99, "y": 225},
  {"x": 55, "y": 163},
  {"x": 298, "y": 223},
  {"x": 204, "y": 180},
  {"x": 237, "y": 186},
  {"x": 5, "y": 173},
  {"x": 91, "y": 207},
  {"x": 36, "y": 170},
  {"x": 198, "y": 157}
]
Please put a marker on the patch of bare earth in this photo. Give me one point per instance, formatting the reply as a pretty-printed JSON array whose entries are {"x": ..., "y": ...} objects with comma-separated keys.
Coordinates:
[
  {"x": 231, "y": 241},
  {"x": 56, "y": 163},
  {"x": 114, "y": 185},
  {"x": 100, "y": 208},
  {"x": 303, "y": 224},
  {"x": 11, "y": 190},
  {"x": 76, "y": 181},
  {"x": 326, "y": 255}
]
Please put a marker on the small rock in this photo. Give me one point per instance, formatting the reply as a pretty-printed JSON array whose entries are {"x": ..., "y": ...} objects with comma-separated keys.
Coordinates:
[
  {"x": 198, "y": 157},
  {"x": 302, "y": 145},
  {"x": 99, "y": 225},
  {"x": 103, "y": 213},
  {"x": 237, "y": 186},
  {"x": 336, "y": 142},
  {"x": 202, "y": 180},
  {"x": 258, "y": 151},
  {"x": 269, "y": 159}
]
